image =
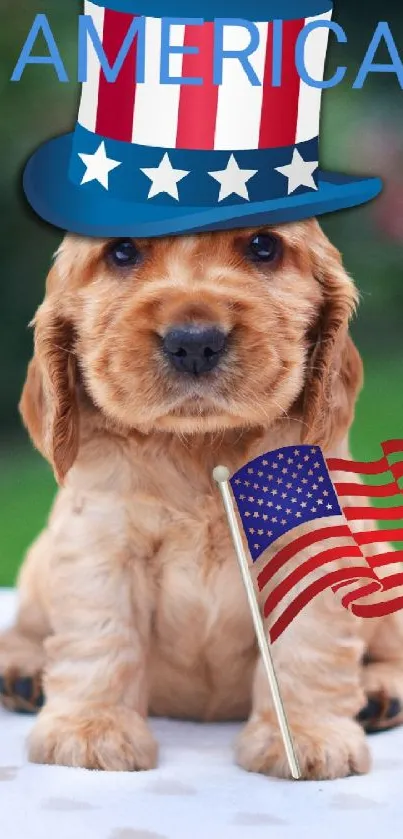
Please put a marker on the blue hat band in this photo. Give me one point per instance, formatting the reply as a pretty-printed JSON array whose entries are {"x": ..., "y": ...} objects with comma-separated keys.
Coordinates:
[{"x": 151, "y": 175}]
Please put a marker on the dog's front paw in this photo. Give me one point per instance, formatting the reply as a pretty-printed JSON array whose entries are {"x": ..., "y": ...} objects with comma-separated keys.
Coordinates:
[
  {"x": 93, "y": 737},
  {"x": 328, "y": 749}
]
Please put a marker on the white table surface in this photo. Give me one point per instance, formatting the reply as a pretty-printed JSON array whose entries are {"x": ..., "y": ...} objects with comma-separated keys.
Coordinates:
[{"x": 196, "y": 793}]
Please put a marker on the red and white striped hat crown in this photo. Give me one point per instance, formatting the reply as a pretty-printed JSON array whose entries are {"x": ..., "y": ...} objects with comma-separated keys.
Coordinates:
[{"x": 232, "y": 116}]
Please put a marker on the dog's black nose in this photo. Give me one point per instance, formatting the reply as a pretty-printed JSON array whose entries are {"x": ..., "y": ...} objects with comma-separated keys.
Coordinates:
[{"x": 194, "y": 349}]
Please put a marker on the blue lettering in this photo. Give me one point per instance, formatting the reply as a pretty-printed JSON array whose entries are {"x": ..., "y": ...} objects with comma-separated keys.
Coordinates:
[
  {"x": 87, "y": 29},
  {"x": 167, "y": 50},
  {"x": 241, "y": 55},
  {"x": 277, "y": 63},
  {"x": 300, "y": 54},
  {"x": 40, "y": 24},
  {"x": 382, "y": 31}
]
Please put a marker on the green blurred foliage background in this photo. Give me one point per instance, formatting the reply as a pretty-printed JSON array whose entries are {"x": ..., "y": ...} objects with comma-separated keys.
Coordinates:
[{"x": 362, "y": 132}]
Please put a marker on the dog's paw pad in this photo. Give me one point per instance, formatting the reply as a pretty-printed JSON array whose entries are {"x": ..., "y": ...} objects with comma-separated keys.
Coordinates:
[
  {"x": 23, "y": 694},
  {"x": 381, "y": 713}
]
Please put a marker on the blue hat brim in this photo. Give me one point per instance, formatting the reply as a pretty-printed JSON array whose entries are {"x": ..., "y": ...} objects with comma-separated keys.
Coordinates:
[{"x": 90, "y": 212}]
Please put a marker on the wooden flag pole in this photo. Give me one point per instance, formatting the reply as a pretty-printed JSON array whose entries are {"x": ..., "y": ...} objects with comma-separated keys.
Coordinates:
[{"x": 222, "y": 475}]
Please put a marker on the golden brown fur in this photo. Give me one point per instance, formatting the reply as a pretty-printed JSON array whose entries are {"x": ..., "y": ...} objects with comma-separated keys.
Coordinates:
[{"x": 131, "y": 599}]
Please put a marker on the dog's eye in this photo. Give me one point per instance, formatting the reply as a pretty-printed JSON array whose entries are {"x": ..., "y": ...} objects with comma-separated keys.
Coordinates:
[
  {"x": 124, "y": 253},
  {"x": 263, "y": 248}
]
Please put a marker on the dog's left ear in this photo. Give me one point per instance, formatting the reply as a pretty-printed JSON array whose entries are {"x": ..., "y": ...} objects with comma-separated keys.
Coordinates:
[
  {"x": 48, "y": 403},
  {"x": 335, "y": 373}
]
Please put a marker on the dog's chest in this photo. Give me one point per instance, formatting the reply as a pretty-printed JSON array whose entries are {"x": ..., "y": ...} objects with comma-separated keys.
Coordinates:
[{"x": 203, "y": 638}]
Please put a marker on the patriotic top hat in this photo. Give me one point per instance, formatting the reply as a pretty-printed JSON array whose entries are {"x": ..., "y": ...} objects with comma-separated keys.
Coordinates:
[{"x": 150, "y": 159}]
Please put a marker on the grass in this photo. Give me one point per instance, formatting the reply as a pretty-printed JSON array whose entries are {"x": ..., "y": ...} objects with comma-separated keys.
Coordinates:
[
  {"x": 27, "y": 486},
  {"x": 26, "y": 491},
  {"x": 379, "y": 414}
]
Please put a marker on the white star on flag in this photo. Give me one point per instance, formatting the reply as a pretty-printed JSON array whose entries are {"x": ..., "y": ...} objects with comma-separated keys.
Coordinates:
[
  {"x": 299, "y": 172},
  {"x": 98, "y": 166},
  {"x": 164, "y": 178},
  {"x": 233, "y": 180}
]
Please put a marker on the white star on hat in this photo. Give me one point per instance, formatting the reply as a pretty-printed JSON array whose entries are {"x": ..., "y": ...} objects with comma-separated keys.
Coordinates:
[
  {"x": 98, "y": 166},
  {"x": 299, "y": 172},
  {"x": 164, "y": 178},
  {"x": 233, "y": 180}
]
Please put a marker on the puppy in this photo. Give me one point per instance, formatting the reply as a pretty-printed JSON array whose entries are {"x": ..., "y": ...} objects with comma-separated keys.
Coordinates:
[{"x": 154, "y": 361}]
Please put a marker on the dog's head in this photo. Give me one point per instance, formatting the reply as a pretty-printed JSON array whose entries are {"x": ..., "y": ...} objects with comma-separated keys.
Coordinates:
[{"x": 193, "y": 334}]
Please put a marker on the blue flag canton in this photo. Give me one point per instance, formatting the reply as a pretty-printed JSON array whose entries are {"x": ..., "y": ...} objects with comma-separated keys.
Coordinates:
[{"x": 281, "y": 490}]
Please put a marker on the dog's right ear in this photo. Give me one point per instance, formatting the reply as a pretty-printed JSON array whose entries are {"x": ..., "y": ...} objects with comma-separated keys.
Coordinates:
[{"x": 48, "y": 403}]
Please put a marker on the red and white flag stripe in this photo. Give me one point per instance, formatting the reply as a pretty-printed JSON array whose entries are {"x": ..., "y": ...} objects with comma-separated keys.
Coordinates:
[
  {"x": 233, "y": 115},
  {"x": 330, "y": 555}
]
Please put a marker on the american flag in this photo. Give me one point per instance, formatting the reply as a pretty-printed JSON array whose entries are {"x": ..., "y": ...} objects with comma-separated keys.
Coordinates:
[{"x": 282, "y": 492}]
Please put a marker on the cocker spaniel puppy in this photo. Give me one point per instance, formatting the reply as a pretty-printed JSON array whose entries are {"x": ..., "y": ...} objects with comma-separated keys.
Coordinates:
[{"x": 154, "y": 361}]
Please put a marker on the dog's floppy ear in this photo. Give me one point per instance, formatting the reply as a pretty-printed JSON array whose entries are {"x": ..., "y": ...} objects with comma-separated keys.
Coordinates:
[
  {"x": 49, "y": 403},
  {"x": 334, "y": 374}
]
